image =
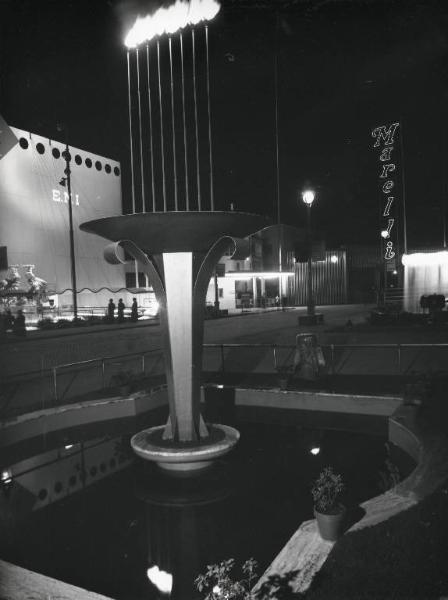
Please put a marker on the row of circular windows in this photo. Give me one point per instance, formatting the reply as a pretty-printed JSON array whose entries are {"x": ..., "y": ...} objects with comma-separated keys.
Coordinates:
[
  {"x": 78, "y": 160},
  {"x": 73, "y": 480}
]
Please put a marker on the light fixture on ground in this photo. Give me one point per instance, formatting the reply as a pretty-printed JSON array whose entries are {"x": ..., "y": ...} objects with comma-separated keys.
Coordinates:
[{"x": 311, "y": 318}]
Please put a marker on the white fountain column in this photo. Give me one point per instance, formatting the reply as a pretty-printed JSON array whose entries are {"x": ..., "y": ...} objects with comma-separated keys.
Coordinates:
[{"x": 178, "y": 275}]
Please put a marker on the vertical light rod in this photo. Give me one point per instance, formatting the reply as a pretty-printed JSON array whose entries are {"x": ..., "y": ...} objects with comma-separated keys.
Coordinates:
[
  {"x": 187, "y": 201},
  {"x": 196, "y": 120},
  {"x": 151, "y": 144},
  {"x": 277, "y": 159},
  {"x": 131, "y": 143},
  {"x": 173, "y": 130},
  {"x": 212, "y": 201},
  {"x": 162, "y": 149},
  {"x": 142, "y": 175}
]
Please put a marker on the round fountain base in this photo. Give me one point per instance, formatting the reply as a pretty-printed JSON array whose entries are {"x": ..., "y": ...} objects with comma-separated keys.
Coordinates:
[{"x": 185, "y": 457}]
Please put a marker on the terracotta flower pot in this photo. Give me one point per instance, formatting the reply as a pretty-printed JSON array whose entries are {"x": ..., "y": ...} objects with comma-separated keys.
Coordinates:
[{"x": 330, "y": 525}]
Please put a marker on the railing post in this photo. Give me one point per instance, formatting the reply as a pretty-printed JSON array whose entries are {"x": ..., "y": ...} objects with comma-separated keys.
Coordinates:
[
  {"x": 222, "y": 358},
  {"x": 55, "y": 384},
  {"x": 103, "y": 373},
  {"x": 143, "y": 364},
  {"x": 274, "y": 349},
  {"x": 332, "y": 359},
  {"x": 399, "y": 358}
]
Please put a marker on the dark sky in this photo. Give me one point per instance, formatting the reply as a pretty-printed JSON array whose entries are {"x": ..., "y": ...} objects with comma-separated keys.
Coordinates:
[{"x": 343, "y": 68}]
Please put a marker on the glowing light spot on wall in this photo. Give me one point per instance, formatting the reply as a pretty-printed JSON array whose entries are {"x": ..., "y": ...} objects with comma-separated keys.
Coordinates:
[{"x": 163, "y": 581}]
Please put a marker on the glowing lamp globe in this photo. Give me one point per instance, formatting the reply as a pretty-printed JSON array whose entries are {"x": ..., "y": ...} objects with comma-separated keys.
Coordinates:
[
  {"x": 308, "y": 197},
  {"x": 385, "y": 234}
]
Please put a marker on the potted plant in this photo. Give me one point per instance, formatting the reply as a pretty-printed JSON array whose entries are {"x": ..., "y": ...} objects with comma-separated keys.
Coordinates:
[
  {"x": 123, "y": 380},
  {"x": 328, "y": 510},
  {"x": 284, "y": 375}
]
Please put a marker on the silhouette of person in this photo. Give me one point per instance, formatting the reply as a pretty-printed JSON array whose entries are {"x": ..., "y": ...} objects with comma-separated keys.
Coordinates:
[
  {"x": 134, "y": 310},
  {"x": 19, "y": 323},
  {"x": 9, "y": 321},
  {"x": 121, "y": 308},
  {"x": 110, "y": 310}
]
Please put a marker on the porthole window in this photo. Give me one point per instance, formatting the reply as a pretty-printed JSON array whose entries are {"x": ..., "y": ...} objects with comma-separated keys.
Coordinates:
[
  {"x": 72, "y": 480},
  {"x": 108, "y": 168},
  {"x": 66, "y": 155},
  {"x": 40, "y": 148},
  {"x": 56, "y": 152},
  {"x": 42, "y": 494},
  {"x": 98, "y": 165},
  {"x": 78, "y": 160},
  {"x": 23, "y": 143},
  {"x": 88, "y": 162},
  {"x": 93, "y": 471},
  {"x": 58, "y": 487},
  {"x": 116, "y": 171}
]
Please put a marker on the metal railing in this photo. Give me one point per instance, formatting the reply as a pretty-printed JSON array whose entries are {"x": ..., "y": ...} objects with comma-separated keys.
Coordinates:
[{"x": 280, "y": 354}]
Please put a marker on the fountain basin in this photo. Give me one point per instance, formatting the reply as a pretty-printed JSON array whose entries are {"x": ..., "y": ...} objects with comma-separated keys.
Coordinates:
[{"x": 149, "y": 445}]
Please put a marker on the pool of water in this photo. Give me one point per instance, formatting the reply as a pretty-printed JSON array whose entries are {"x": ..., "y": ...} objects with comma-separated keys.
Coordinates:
[{"x": 80, "y": 508}]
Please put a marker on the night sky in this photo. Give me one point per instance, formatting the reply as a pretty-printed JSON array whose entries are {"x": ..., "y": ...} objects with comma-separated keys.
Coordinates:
[{"x": 343, "y": 68}]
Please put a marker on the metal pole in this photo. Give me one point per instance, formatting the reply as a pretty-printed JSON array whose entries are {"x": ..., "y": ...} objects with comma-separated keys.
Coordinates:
[
  {"x": 212, "y": 201},
  {"x": 72, "y": 241},
  {"x": 162, "y": 150},
  {"x": 310, "y": 302},
  {"x": 143, "y": 363},
  {"x": 103, "y": 373},
  {"x": 173, "y": 128},
  {"x": 187, "y": 200},
  {"x": 151, "y": 144},
  {"x": 142, "y": 176},
  {"x": 198, "y": 183},
  {"x": 222, "y": 359},
  {"x": 55, "y": 385},
  {"x": 130, "y": 135}
]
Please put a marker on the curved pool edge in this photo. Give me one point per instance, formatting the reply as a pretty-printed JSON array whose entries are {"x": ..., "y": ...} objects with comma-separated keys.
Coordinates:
[{"x": 305, "y": 553}]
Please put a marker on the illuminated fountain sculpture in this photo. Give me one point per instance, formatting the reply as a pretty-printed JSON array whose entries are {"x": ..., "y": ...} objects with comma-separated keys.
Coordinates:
[{"x": 178, "y": 250}]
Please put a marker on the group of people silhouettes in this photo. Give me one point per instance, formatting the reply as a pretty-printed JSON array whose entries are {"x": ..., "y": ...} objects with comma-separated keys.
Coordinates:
[
  {"x": 13, "y": 323},
  {"x": 120, "y": 311}
]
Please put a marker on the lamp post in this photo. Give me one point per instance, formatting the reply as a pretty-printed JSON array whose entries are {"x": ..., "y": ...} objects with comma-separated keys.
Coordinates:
[
  {"x": 67, "y": 181},
  {"x": 308, "y": 198}
]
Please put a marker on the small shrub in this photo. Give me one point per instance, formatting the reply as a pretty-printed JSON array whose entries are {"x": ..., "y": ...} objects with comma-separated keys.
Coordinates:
[{"x": 218, "y": 581}]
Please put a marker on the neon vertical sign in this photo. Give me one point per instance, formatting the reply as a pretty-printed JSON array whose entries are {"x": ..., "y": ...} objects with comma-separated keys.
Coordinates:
[{"x": 384, "y": 142}]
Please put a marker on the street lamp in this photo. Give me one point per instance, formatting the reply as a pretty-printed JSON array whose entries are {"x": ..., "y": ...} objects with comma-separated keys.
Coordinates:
[{"x": 308, "y": 198}]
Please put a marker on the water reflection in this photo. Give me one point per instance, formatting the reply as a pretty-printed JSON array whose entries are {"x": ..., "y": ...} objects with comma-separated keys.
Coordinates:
[{"x": 182, "y": 527}]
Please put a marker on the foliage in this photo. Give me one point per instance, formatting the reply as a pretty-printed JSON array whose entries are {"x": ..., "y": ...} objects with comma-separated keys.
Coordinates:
[
  {"x": 123, "y": 378},
  {"x": 218, "y": 581},
  {"x": 327, "y": 490}
]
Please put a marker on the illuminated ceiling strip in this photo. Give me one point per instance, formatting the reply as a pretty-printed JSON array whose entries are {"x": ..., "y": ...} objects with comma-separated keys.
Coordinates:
[
  {"x": 425, "y": 259},
  {"x": 250, "y": 274}
]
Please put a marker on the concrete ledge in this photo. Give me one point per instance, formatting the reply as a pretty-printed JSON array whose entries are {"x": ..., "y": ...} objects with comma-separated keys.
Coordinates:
[
  {"x": 80, "y": 413},
  {"x": 318, "y": 401},
  {"x": 16, "y": 582}
]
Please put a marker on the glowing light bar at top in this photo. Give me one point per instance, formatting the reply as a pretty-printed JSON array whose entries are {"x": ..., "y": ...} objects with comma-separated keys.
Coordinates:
[
  {"x": 425, "y": 259},
  {"x": 171, "y": 19}
]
